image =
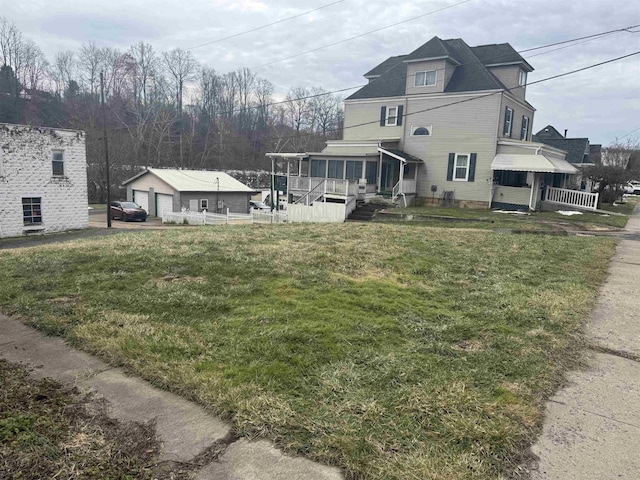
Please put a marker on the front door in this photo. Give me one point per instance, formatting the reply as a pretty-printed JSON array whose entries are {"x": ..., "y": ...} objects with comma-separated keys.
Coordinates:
[{"x": 390, "y": 174}]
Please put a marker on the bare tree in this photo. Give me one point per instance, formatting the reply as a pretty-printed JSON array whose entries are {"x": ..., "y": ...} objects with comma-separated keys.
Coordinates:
[{"x": 181, "y": 67}]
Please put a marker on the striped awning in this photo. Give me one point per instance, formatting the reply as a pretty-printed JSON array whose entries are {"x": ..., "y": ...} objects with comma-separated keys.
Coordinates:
[{"x": 531, "y": 163}]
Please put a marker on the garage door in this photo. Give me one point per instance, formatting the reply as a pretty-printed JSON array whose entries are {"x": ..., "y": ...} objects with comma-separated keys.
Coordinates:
[
  {"x": 164, "y": 203},
  {"x": 142, "y": 199}
]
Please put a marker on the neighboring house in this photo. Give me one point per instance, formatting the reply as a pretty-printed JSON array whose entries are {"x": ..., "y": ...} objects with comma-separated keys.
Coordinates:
[
  {"x": 43, "y": 180},
  {"x": 580, "y": 153},
  {"x": 445, "y": 121},
  {"x": 159, "y": 189}
]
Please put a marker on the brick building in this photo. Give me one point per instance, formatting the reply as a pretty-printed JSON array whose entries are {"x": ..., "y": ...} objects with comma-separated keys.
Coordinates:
[{"x": 43, "y": 180}]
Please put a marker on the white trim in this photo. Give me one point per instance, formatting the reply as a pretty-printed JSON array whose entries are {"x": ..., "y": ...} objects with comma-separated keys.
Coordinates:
[
  {"x": 520, "y": 102},
  {"x": 415, "y": 78},
  {"x": 510, "y": 122},
  {"x": 531, "y": 145},
  {"x": 455, "y": 166},
  {"x": 201, "y": 207},
  {"x": 428, "y": 127},
  {"x": 429, "y": 59},
  {"x": 388, "y": 111},
  {"x": 387, "y": 152},
  {"x": 482, "y": 93},
  {"x": 522, "y": 129},
  {"x": 520, "y": 74}
]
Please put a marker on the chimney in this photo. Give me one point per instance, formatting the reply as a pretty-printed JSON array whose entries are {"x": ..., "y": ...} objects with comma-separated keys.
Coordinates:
[{"x": 565, "y": 133}]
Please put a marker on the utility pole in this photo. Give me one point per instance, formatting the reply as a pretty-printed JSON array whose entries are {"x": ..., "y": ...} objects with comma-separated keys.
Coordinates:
[{"x": 106, "y": 149}]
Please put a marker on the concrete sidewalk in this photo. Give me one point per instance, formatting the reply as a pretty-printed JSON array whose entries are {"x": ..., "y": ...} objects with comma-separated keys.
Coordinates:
[
  {"x": 186, "y": 430},
  {"x": 592, "y": 425}
]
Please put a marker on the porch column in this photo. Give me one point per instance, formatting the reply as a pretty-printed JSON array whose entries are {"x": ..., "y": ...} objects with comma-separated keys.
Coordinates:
[
  {"x": 379, "y": 182},
  {"x": 400, "y": 189}
]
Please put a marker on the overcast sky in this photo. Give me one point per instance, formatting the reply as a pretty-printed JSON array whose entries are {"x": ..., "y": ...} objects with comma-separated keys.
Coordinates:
[{"x": 602, "y": 103}]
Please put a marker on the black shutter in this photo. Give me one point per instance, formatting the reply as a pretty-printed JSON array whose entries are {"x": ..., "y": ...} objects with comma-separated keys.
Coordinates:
[
  {"x": 383, "y": 116},
  {"x": 452, "y": 158},
  {"x": 400, "y": 108},
  {"x": 472, "y": 167}
]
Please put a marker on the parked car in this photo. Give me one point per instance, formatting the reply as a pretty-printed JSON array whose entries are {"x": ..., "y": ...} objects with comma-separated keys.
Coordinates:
[
  {"x": 258, "y": 205},
  {"x": 632, "y": 188},
  {"x": 128, "y": 211}
]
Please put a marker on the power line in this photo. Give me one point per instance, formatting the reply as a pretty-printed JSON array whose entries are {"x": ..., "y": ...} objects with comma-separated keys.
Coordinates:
[
  {"x": 632, "y": 131},
  {"x": 476, "y": 98},
  {"x": 359, "y": 36},
  {"x": 265, "y": 26},
  {"x": 564, "y": 42}
]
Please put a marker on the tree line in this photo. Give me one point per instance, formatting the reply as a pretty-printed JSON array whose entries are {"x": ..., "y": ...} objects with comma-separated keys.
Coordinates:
[{"x": 163, "y": 109}]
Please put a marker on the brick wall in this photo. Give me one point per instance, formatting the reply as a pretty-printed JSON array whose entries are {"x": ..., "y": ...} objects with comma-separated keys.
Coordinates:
[{"x": 26, "y": 171}]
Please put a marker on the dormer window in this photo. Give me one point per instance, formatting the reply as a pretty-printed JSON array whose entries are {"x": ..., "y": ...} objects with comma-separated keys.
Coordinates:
[
  {"x": 426, "y": 78},
  {"x": 522, "y": 80}
]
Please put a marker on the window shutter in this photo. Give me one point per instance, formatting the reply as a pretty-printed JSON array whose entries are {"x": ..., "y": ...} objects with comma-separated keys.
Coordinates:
[
  {"x": 452, "y": 158},
  {"x": 383, "y": 116},
  {"x": 504, "y": 129},
  {"x": 400, "y": 109},
  {"x": 472, "y": 167}
]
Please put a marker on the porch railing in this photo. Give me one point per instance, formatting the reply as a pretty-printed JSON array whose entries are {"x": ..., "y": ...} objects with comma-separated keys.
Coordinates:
[
  {"x": 314, "y": 194},
  {"x": 334, "y": 186},
  {"x": 573, "y": 198}
]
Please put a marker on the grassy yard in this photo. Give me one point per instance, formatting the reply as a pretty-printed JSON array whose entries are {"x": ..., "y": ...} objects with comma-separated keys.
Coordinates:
[
  {"x": 392, "y": 350},
  {"x": 537, "y": 220}
]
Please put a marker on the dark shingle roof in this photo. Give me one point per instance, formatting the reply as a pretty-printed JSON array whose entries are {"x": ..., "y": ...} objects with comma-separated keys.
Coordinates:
[
  {"x": 547, "y": 132},
  {"x": 498, "y": 53},
  {"x": 384, "y": 66},
  {"x": 575, "y": 148},
  {"x": 434, "y": 48},
  {"x": 471, "y": 75}
]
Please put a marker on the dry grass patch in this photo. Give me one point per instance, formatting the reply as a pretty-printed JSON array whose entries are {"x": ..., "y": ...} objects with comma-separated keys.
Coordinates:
[{"x": 392, "y": 350}]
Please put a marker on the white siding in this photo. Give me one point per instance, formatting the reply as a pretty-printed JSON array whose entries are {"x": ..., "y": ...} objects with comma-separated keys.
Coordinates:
[
  {"x": 149, "y": 180},
  {"x": 519, "y": 111},
  {"x": 362, "y": 120}
]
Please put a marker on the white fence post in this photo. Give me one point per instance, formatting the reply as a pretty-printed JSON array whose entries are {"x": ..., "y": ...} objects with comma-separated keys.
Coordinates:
[{"x": 227, "y": 215}]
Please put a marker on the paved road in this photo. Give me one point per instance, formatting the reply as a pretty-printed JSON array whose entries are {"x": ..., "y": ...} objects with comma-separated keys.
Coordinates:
[{"x": 592, "y": 425}]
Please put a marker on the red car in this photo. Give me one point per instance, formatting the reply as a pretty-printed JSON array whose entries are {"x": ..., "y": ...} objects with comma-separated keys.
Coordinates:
[{"x": 128, "y": 211}]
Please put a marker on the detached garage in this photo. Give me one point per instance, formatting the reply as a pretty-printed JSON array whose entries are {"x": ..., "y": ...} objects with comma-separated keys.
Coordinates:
[{"x": 161, "y": 189}]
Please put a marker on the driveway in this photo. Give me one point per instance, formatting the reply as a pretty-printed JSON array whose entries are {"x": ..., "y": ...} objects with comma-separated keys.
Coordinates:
[{"x": 97, "y": 228}]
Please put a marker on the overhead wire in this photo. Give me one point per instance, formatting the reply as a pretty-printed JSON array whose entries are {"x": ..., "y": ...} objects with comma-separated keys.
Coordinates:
[{"x": 265, "y": 26}]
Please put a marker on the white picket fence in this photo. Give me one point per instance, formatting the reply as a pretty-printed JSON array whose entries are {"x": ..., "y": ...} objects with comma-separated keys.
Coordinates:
[{"x": 187, "y": 217}]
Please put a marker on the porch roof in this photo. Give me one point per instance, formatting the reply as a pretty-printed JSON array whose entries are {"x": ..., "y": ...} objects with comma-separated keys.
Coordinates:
[
  {"x": 531, "y": 163},
  {"x": 400, "y": 155}
]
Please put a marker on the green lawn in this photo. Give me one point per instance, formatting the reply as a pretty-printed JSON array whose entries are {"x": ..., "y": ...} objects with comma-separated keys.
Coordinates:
[
  {"x": 392, "y": 350},
  {"x": 537, "y": 220}
]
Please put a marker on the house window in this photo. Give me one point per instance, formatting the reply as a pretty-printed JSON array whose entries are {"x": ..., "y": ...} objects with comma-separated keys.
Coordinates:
[
  {"x": 392, "y": 116},
  {"x": 417, "y": 131},
  {"x": 371, "y": 173},
  {"x": 522, "y": 79},
  {"x": 318, "y": 168},
  {"x": 525, "y": 128},
  {"x": 461, "y": 168},
  {"x": 425, "y": 79},
  {"x": 32, "y": 210},
  {"x": 204, "y": 204},
  {"x": 508, "y": 178},
  {"x": 336, "y": 169},
  {"x": 508, "y": 121},
  {"x": 57, "y": 163},
  {"x": 354, "y": 169}
]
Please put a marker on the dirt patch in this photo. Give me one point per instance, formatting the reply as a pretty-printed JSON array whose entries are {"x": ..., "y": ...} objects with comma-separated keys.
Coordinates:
[{"x": 48, "y": 430}]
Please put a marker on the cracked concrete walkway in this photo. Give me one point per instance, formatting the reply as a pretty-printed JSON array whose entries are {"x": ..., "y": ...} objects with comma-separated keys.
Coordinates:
[
  {"x": 185, "y": 429},
  {"x": 592, "y": 425}
]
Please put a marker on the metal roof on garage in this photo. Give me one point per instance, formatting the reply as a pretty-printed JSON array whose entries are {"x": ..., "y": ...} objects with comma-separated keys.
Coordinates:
[{"x": 195, "y": 180}]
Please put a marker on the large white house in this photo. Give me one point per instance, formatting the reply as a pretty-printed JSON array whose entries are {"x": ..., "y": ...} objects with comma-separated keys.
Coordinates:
[{"x": 43, "y": 180}]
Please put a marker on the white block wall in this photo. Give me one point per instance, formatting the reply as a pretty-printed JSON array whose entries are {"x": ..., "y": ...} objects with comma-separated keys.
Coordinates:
[{"x": 26, "y": 171}]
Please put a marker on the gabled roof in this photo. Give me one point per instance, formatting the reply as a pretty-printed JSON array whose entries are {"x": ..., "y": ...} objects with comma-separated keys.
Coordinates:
[
  {"x": 434, "y": 48},
  {"x": 548, "y": 132},
  {"x": 470, "y": 75},
  {"x": 499, "y": 54},
  {"x": 576, "y": 148},
  {"x": 195, "y": 180},
  {"x": 384, "y": 66}
]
